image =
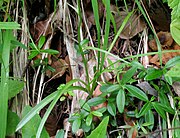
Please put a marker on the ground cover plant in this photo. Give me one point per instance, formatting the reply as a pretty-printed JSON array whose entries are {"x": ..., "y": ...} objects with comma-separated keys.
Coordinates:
[{"x": 91, "y": 69}]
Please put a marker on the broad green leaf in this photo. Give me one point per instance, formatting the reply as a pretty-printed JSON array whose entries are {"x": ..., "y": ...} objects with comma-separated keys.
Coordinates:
[
  {"x": 111, "y": 108},
  {"x": 12, "y": 121},
  {"x": 172, "y": 62},
  {"x": 50, "y": 51},
  {"x": 30, "y": 129},
  {"x": 120, "y": 100},
  {"x": 85, "y": 127},
  {"x": 174, "y": 71},
  {"x": 15, "y": 87},
  {"x": 100, "y": 131},
  {"x": 136, "y": 92},
  {"x": 89, "y": 119},
  {"x": 159, "y": 110},
  {"x": 175, "y": 29},
  {"x": 146, "y": 107},
  {"x": 129, "y": 74},
  {"x": 96, "y": 113},
  {"x": 9, "y": 25},
  {"x": 76, "y": 125},
  {"x": 153, "y": 74},
  {"x": 60, "y": 134},
  {"x": 174, "y": 5},
  {"x": 41, "y": 41},
  {"x": 36, "y": 109},
  {"x": 96, "y": 101}
]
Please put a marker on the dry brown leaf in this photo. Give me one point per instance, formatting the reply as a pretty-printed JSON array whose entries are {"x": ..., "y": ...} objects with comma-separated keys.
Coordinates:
[
  {"x": 134, "y": 25},
  {"x": 176, "y": 87},
  {"x": 60, "y": 66},
  {"x": 166, "y": 41}
]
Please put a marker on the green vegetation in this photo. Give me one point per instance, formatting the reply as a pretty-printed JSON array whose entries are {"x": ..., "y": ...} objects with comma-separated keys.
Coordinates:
[{"x": 128, "y": 103}]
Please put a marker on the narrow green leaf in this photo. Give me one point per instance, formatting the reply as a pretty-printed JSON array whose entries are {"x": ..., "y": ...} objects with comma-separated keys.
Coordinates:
[
  {"x": 159, "y": 110},
  {"x": 100, "y": 131},
  {"x": 33, "y": 54},
  {"x": 96, "y": 101},
  {"x": 49, "y": 51},
  {"x": 41, "y": 42},
  {"x": 89, "y": 119},
  {"x": 120, "y": 100},
  {"x": 128, "y": 75},
  {"x": 136, "y": 92},
  {"x": 174, "y": 71},
  {"x": 149, "y": 117},
  {"x": 9, "y": 25},
  {"x": 97, "y": 113},
  {"x": 113, "y": 88},
  {"x": 17, "y": 43},
  {"x": 111, "y": 108},
  {"x": 144, "y": 109}
]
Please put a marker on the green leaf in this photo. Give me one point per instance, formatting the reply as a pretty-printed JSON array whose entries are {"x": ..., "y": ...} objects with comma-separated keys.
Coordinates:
[
  {"x": 159, "y": 110},
  {"x": 100, "y": 131},
  {"x": 12, "y": 121},
  {"x": 41, "y": 42},
  {"x": 97, "y": 113},
  {"x": 129, "y": 74},
  {"x": 15, "y": 87},
  {"x": 36, "y": 109},
  {"x": 174, "y": 5},
  {"x": 17, "y": 43},
  {"x": 136, "y": 92},
  {"x": 30, "y": 129},
  {"x": 87, "y": 107},
  {"x": 9, "y": 25},
  {"x": 166, "y": 108},
  {"x": 149, "y": 117},
  {"x": 175, "y": 29},
  {"x": 174, "y": 71},
  {"x": 113, "y": 88},
  {"x": 144, "y": 109},
  {"x": 60, "y": 134},
  {"x": 111, "y": 108},
  {"x": 33, "y": 54},
  {"x": 172, "y": 62},
  {"x": 76, "y": 125},
  {"x": 120, "y": 100},
  {"x": 153, "y": 73},
  {"x": 96, "y": 101},
  {"x": 49, "y": 51},
  {"x": 136, "y": 64},
  {"x": 89, "y": 119}
]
